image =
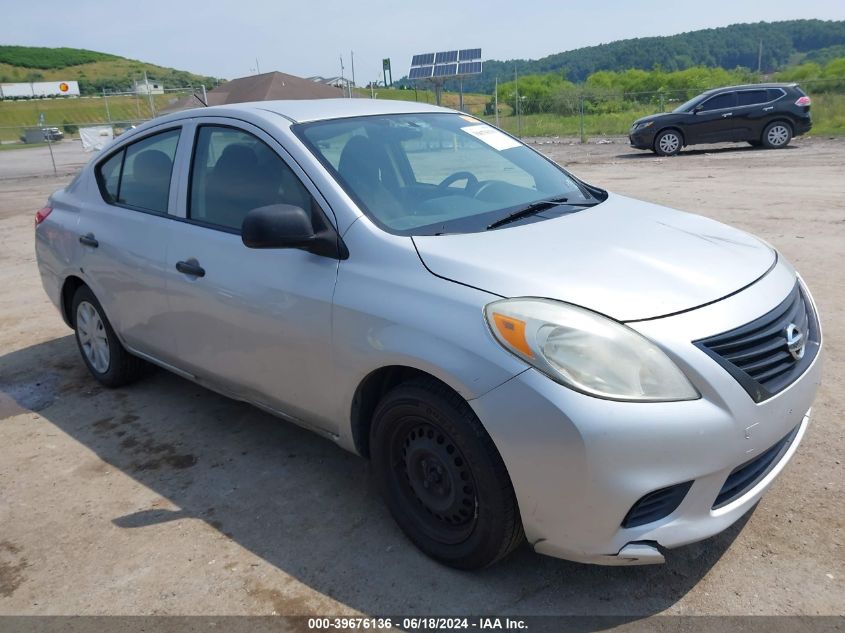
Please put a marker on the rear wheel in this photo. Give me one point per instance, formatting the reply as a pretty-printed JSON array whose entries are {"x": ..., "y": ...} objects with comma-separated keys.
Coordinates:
[
  {"x": 102, "y": 352},
  {"x": 668, "y": 143},
  {"x": 442, "y": 477},
  {"x": 776, "y": 135}
]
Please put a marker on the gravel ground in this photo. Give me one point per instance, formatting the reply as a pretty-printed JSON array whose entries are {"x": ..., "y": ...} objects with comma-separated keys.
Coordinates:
[{"x": 167, "y": 498}]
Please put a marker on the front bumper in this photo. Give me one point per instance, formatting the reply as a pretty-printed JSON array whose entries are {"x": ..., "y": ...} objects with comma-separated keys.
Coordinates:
[
  {"x": 642, "y": 139},
  {"x": 578, "y": 464}
]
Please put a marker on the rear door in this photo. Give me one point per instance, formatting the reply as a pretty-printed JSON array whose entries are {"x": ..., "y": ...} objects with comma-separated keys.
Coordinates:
[
  {"x": 123, "y": 231},
  {"x": 713, "y": 120},
  {"x": 254, "y": 323},
  {"x": 752, "y": 112}
]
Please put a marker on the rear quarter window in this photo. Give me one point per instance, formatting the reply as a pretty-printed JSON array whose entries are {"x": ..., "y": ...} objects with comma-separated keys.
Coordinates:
[{"x": 108, "y": 174}]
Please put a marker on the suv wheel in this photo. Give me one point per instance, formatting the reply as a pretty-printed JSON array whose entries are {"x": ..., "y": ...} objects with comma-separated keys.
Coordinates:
[
  {"x": 442, "y": 477},
  {"x": 777, "y": 135},
  {"x": 103, "y": 354},
  {"x": 668, "y": 143}
]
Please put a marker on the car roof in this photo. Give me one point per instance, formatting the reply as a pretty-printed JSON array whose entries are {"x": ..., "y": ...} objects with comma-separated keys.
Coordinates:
[
  {"x": 305, "y": 110},
  {"x": 750, "y": 87}
]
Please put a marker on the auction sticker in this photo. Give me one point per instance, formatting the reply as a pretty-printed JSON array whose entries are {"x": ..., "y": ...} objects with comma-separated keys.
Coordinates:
[{"x": 490, "y": 135}]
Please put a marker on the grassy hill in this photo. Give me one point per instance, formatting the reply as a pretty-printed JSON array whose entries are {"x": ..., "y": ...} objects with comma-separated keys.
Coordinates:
[
  {"x": 726, "y": 47},
  {"x": 93, "y": 70}
]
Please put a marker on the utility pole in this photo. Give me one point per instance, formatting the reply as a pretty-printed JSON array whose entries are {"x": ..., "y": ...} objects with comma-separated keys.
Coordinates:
[
  {"x": 342, "y": 80},
  {"x": 352, "y": 56},
  {"x": 106, "y": 99},
  {"x": 257, "y": 67},
  {"x": 760, "y": 57},
  {"x": 518, "y": 116},
  {"x": 496, "y": 101},
  {"x": 150, "y": 95}
]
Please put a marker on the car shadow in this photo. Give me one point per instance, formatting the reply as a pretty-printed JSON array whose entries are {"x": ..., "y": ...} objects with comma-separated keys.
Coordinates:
[
  {"x": 304, "y": 505},
  {"x": 635, "y": 154}
]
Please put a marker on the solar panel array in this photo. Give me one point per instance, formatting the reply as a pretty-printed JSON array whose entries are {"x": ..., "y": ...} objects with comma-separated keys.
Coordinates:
[
  {"x": 444, "y": 64},
  {"x": 426, "y": 59}
]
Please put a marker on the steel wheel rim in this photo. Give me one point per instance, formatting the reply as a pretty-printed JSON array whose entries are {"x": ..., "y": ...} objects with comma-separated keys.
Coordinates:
[
  {"x": 447, "y": 507},
  {"x": 93, "y": 340},
  {"x": 778, "y": 135},
  {"x": 669, "y": 143}
]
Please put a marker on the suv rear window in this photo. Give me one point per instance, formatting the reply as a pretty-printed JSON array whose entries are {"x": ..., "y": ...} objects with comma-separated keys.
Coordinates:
[{"x": 751, "y": 97}]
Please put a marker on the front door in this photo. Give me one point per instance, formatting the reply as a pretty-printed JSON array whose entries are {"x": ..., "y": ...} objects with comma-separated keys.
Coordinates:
[
  {"x": 712, "y": 121},
  {"x": 255, "y": 323}
]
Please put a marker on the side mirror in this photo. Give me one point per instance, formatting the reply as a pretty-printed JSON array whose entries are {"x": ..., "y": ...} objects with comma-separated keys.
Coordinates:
[
  {"x": 697, "y": 109},
  {"x": 277, "y": 226},
  {"x": 287, "y": 226}
]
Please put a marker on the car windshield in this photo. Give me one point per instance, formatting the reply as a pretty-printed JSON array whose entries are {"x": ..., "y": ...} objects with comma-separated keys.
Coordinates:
[
  {"x": 434, "y": 173},
  {"x": 689, "y": 105}
]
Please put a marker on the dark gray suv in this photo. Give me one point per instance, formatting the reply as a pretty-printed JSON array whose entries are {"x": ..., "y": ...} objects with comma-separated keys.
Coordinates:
[{"x": 767, "y": 115}]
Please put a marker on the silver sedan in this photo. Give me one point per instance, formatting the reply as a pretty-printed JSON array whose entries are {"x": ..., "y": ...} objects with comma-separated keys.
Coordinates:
[{"x": 521, "y": 354}]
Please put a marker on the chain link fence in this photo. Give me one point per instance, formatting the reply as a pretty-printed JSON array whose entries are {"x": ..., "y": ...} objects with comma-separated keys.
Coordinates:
[
  {"x": 38, "y": 121},
  {"x": 584, "y": 114},
  {"x": 54, "y": 124}
]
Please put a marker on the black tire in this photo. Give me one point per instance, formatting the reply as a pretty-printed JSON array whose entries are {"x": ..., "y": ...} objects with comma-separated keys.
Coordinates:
[
  {"x": 668, "y": 143},
  {"x": 776, "y": 135},
  {"x": 442, "y": 478},
  {"x": 121, "y": 367}
]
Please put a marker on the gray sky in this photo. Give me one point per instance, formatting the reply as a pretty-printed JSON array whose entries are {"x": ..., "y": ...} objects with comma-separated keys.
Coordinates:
[{"x": 307, "y": 37}]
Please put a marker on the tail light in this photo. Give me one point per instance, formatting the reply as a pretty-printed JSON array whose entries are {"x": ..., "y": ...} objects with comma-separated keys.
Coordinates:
[
  {"x": 803, "y": 101},
  {"x": 42, "y": 214}
]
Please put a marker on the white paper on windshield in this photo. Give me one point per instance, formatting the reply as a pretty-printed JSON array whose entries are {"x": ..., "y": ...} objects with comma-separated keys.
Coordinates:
[{"x": 490, "y": 135}]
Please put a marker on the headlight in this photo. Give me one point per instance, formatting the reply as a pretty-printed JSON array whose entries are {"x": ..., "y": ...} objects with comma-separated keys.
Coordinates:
[{"x": 586, "y": 351}]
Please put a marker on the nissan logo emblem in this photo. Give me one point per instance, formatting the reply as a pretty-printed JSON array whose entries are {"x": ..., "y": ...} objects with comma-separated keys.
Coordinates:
[{"x": 795, "y": 342}]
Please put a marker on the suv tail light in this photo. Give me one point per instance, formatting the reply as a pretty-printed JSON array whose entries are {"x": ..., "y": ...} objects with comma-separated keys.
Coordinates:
[
  {"x": 803, "y": 101},
  {"x": 42, "y": 214}
]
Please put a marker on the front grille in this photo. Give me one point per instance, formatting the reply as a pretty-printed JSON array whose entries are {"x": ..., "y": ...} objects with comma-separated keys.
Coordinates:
[
  {"x": 656, "y": 505},
  {"x": 747, "y": 475},
  {"x": 757, "y": 354}
]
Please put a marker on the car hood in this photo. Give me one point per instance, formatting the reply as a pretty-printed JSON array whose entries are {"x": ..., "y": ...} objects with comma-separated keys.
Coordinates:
[
  {"x": 653, "y": 117},
  {"x": 627, "y": 259}
]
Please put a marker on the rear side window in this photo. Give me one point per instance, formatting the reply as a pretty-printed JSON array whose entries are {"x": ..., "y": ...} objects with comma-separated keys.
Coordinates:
[
  {"x": 725, "y": 100},
  {"x": 752, "y": 97},
  {"x": 233, "y": 172},
  {"x": 109, "y": 176},
  {"x": 775, "y": 93},
  {"x": 139, "y": 175}
]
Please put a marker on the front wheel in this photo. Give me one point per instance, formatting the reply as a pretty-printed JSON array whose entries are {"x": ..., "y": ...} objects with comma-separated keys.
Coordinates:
[
  {"x": 102, "y": 352},
  {"x": 668, "y": 143},
  {"x": 776, "y": 135},
  {"x": 442, "y": 478}
]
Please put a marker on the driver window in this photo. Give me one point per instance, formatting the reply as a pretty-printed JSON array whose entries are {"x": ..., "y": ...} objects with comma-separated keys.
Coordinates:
[
  {"x": 233, "y": 172},
  {"x": 726, "y": 100}
]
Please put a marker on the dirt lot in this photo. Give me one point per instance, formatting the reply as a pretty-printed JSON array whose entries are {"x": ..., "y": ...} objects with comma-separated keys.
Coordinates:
[{"x": 167, "y": 498}]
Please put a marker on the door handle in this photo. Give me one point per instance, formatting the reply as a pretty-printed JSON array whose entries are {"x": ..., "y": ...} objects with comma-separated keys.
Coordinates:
[
  {"x": 769, "y": 108},
  {"x": 191, "y": 267},
  {"x": 727, "y": 114},
  {"x": 89, "y": 240}
]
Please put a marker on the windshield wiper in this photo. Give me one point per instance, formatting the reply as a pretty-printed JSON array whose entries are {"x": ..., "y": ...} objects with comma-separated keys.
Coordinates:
[{"x": 535, "y": 207}]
